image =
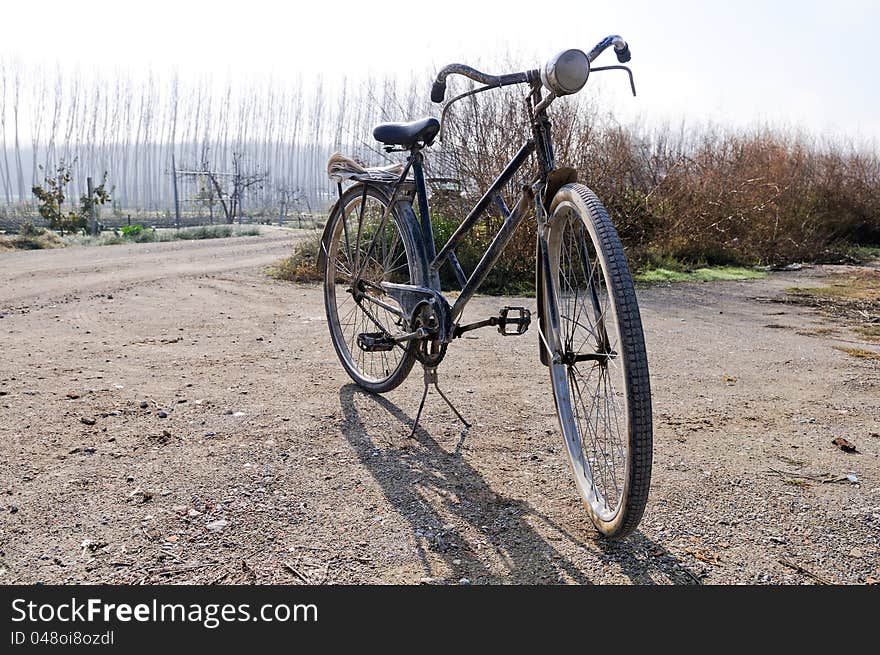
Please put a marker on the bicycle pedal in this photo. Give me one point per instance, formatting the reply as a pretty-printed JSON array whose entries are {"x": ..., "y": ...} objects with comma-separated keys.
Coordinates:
[
  {"x": 520, "y": 322},
  {"x": 374, "y": 342}
]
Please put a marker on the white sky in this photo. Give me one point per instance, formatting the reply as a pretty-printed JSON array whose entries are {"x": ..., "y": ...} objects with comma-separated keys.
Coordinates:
[{"x": 806, "y": 64}]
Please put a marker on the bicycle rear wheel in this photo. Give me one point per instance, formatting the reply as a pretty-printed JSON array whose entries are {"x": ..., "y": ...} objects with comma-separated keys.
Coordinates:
[
  {"x": 599, "y": 367},
  {"x": 362, "y": 251}
]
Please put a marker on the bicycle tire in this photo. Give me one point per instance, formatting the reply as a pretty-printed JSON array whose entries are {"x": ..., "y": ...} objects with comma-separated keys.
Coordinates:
[
  {"x": 343, "y": 245},
  {"x": 613, "y": 343}
]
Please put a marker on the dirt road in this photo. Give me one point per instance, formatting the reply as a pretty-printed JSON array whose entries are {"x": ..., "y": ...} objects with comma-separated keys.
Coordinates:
[{"x": 170, "y": 414}]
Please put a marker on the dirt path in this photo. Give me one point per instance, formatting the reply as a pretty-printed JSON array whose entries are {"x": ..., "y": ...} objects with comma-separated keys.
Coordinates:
[{"x": 268, "y": 466}]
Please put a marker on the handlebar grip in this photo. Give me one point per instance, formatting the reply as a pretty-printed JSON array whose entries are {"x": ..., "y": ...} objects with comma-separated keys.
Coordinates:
[
  {"x": 623, "y": 55},
  {"x": 438, "y": 91}
]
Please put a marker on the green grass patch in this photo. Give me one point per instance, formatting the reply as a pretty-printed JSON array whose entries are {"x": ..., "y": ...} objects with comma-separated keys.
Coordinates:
[
  {"x": 708, "y": 274},
  {"x": 866, "y": 253}
]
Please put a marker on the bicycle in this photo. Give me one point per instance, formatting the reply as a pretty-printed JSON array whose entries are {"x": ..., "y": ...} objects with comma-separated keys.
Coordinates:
[{"x": 386, "y": 310}]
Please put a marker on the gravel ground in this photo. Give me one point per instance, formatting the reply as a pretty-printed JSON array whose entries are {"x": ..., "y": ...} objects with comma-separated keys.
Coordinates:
[{"x": 169, "y": 414}]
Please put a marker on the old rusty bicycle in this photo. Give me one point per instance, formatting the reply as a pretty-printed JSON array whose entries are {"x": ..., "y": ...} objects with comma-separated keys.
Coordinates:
[{"x": 386, "y": 309}]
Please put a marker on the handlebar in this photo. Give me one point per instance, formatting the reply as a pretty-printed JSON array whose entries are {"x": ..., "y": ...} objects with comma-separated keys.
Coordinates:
[
  {"x": 438, "y": 89},
  {"x": 621, "y": 49}
]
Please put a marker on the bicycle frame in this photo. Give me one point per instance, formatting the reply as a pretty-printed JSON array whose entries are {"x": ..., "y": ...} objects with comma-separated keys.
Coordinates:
[{"x": 541, "y": 142}]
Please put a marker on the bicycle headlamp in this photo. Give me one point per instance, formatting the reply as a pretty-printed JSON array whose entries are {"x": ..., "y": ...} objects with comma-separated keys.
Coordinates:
[{"x": 566, "y": 73}]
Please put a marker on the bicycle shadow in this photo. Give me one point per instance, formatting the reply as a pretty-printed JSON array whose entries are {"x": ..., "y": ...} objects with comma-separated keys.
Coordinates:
[{"x": 436, "y": 491}]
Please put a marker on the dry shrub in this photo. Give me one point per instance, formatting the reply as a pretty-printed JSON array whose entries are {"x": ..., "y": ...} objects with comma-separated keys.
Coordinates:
[
  {"x": 700, "y": 195},
  {"x": 42, "y": 241},
  {"x": 302, "y": 264}
]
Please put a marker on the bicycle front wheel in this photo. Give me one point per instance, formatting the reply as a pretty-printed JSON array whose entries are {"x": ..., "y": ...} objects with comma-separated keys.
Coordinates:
[
  {"x": 368, "y": 244},
  {"x": 598, "y": 367}
]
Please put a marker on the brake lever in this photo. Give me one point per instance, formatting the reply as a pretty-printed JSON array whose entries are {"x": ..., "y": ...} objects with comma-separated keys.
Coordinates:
[{"x": 632, "y": 82}]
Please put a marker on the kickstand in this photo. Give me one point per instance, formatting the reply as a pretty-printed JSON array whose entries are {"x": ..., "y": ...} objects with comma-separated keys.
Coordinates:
[{"x": 431, "y": 378}]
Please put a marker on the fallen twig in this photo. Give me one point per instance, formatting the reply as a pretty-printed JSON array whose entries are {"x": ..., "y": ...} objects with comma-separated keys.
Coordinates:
[
  {"x": 827, "y": 478},
  {"x": 220, "y": 578},
  {"x": 290, "y": 567},
  {"x": 806, "y": 572}
]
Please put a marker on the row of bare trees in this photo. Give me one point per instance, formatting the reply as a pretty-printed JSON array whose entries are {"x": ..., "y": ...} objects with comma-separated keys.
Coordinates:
[{"x": 131, "y": 127}]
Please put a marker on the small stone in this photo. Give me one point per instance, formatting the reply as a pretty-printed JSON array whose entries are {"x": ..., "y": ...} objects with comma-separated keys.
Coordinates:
[
  {"x": 143, "y": 496},
  {"x": 171, "y": 538},
  {"x": 13, "y": 509},
  {"x": 464, "y": 581},
  {"x": 210, "y": 434},
  {"x": 144, "y": 404},
  {"x": 72, "y": 395},
  {"x": 87, "y": 420},
  {"x": 217, "y": 526},
  {"x": 259, "y": 338},
  {"x": 129, "y": 478},
  {"x": 162, "y": 414}
]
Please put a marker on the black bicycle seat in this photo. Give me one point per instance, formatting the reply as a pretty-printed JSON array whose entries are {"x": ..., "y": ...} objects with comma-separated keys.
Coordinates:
[{"x": 407, "y": 134}]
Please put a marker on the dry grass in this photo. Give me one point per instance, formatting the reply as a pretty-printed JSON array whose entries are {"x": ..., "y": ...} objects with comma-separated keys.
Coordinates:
[
  {"x": 860, "y": 285},
  {"x": 852, "y": 296},
  {"x": 818, "y": 332},
  {"x": 869, "y": 332},
  {"x": 44, "y": 241},
  {"x": 858, "y": 353}
]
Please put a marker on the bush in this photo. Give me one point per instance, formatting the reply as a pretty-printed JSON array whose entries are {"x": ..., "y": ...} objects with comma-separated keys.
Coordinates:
[
  {"x": 302, "y": 264},
  {"x": 702, "y": 196},
  {"x": 41, "y": 241},
  {"x": 28, "y": 229},
  {"x": 136, "y": 233}
]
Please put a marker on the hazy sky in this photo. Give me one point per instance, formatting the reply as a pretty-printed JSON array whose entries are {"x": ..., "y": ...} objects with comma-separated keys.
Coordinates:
[{"x": 808, "y": 64}]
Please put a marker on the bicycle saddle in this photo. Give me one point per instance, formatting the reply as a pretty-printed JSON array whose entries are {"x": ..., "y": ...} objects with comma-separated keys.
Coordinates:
[{"x": 407, "y": 134}]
